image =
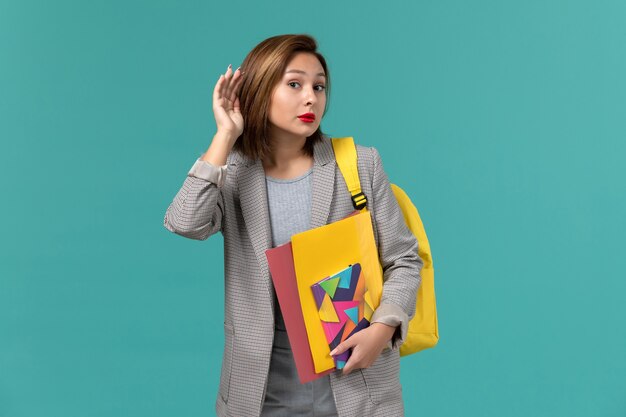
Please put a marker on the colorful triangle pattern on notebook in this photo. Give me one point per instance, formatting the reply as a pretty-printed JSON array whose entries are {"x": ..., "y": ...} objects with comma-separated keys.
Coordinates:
[{"x": 344, "y": 306}]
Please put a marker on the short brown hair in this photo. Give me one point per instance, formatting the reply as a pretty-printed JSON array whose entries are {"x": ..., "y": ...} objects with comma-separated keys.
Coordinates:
[{"x": 263, "y": 68}]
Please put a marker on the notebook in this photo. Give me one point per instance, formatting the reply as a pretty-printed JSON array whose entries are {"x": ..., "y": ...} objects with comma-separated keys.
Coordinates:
[{"x": 344, "y": 307}]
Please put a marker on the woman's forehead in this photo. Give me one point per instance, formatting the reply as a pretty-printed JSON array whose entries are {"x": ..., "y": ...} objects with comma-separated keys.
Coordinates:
[
  {"x": 306, "y": 64},
  {"x": 299, "y": 71}
]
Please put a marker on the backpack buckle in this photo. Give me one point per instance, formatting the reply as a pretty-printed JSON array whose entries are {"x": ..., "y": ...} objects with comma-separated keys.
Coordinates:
[{"x": 359, "y": 201}]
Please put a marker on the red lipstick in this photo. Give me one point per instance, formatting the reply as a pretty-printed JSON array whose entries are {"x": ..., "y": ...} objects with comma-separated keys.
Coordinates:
[{"x": 307, "y": 117}]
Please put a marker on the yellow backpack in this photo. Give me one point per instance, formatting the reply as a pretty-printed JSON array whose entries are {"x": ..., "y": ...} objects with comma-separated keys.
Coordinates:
[{"x": 423, "y": 332}]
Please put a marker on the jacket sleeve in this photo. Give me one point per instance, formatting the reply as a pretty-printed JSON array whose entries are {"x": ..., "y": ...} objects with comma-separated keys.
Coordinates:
[
  {"x": 397, "y": 249},
  {"x": 198, "y": 208}
]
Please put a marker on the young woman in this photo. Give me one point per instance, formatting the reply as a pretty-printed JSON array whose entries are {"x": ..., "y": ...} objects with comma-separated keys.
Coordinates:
[{"x": 269, "y": 173}]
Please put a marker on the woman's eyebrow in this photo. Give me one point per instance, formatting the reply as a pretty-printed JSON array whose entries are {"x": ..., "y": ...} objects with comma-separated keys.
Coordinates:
[{"x": 321, "y": 74}]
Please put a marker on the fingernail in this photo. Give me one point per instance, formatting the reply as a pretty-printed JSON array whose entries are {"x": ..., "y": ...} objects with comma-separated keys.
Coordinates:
[
  {"x": 229, "y": 66},
  {"x": 333, "y": 352}
]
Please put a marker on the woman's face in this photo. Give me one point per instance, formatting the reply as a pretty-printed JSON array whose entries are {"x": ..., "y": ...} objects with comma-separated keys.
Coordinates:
[{"x": 300, "y": 91}]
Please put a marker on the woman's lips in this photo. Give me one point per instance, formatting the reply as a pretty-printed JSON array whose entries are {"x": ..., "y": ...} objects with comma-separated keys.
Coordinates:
[{"x": 307, "y": 117}]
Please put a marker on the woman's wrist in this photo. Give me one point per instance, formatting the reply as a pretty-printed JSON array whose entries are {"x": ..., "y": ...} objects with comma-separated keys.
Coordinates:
[
  {"x": 220, "y": 147},
  {"x": 384, "y": 330},
  {"x": 225, "y": 137}
]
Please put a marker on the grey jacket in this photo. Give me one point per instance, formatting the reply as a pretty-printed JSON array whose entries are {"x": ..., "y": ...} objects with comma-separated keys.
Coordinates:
[{"x": 233, "y": 199}]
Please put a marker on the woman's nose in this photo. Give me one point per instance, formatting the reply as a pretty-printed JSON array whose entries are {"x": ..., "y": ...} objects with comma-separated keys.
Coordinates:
[{"x": 310, "y": 95}]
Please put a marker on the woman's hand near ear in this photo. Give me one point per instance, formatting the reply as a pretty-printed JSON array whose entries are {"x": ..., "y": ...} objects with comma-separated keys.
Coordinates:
[
  {"x": 226, "y": 103},
  {"x": 228, "y": 117}
]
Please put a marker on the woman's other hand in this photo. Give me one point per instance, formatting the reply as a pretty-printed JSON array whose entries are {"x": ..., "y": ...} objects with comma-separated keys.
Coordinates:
[
  {"x": 366, "y": 346},
  {"x": 226, "y": 104}
]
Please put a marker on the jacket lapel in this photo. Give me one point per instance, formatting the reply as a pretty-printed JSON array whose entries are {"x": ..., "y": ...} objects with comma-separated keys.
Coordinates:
[{"x": 323, "y": 182}]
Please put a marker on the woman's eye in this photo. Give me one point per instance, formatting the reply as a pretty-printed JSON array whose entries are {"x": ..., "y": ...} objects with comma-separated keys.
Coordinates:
[{"x": 319, "y": 87}]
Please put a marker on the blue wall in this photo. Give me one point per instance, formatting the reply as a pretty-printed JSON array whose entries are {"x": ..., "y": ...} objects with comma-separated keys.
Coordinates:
[{"x": 505, "y": 121}]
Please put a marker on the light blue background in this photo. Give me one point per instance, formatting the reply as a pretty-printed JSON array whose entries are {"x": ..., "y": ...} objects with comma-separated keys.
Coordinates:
[{"x": 505, "y": 121}]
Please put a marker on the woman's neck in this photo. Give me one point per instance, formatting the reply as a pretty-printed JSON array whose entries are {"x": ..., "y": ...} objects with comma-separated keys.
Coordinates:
[{"x": 288, "y": 159}]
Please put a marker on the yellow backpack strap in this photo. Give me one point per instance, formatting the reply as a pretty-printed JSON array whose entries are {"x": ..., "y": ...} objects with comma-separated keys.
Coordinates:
[{"x": 345, "y": 154}]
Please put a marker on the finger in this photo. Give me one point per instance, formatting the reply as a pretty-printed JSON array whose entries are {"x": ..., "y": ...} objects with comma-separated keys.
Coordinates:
[
  {"x": 350, "y": 365},
  {"x": 347, "y": 344},
  {"x": 342, "y": 347},
  {"x": 237, "y": 83},
  {"x": 225, "y": 82},
  {"x": 217, "y": 89},
  {"x": 232, "y": 85},
  {"x": 228, "y": 76},
  {"x": 337, "y": 350}
]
